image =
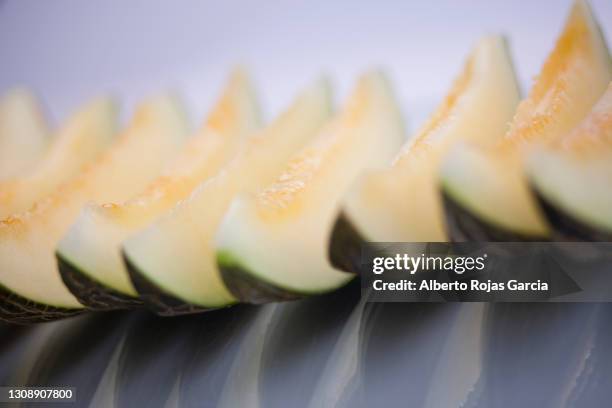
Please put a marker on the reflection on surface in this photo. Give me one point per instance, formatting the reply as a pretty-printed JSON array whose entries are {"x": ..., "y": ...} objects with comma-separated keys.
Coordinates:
[
  {"x": 153, "y": 354},
  {"x": 241, "y": 389},
  {"x": 13, "y": 341},
  {"x": 300, "y": 344},
  {"x": 535, "y": 353},
  {"x": 217, "y": 342},
  {"x": 76, "y": 353},
  {"x": 403, "y": 342},
  {"x": 331, "y": 350}
]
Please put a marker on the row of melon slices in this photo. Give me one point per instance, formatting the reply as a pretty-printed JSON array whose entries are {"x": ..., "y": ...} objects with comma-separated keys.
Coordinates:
[{"x": 239, "y": 213}]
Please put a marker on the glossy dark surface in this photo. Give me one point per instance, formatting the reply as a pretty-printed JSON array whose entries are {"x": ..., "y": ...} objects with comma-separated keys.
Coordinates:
[{"x": 333, "y": 350}]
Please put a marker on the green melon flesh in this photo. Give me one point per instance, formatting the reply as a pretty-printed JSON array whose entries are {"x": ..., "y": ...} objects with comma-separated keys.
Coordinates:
[
  {"x": 27, "y": 241},
  {"x": 84, "y": 136},
  {"x": 573, "y": 177},
  {"x": 401, "y": 203},
  {"x": 577, "y": 187},
  {"x": 93, "y": 244},
  {"x": 175, "y": 255},
  {"x": 273, "y": 245},
  {"x": 489, "y": 183}
]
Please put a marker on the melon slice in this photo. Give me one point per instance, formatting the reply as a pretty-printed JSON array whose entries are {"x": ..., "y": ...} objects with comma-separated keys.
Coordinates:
[
  {"x": 31, "y": 287},
  {"x": 89, "y": 256},
  {"x": 172, "y": 262},
  {"x": 273, "y": 246},
  {"x": 23, "y": 133},
  {"x": 485, "y": 191},
  {"x": 572, "y": 178},
  {"x": 83, "y": 137},
  {"x": 401, "y": 203}
]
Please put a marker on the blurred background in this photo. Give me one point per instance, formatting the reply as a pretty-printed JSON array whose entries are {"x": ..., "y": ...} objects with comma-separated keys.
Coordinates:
[
  {"x": 70, "y": 50},
  {"x": 332, "y": 350}
]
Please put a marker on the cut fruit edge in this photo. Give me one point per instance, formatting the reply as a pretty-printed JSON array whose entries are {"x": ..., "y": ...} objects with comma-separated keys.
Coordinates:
[
  {"x": 157, "y": 129},
  {"x": 24, "y": 133},
  {"x": 181, "y": 240},
  {"x": 382, "y": 205},
  {"x": 571, "y": 178},
  {"x": 489, "y": 182},
  {"x": 91, "y": 251},
  {"x": 157, "y": 300},
  {"x": 16, "y": 309},
  {"x": 84, "y": 136},
  {"x": 293, "y": 216}
]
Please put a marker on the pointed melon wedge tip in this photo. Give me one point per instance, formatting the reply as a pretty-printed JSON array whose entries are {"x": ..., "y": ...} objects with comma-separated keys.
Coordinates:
[
  {"x": 172, "y": 262},
  {"x": 272, "y": 245},
  {"x": 490, "y": 184},
  {"x": 401, "y": 203},
  {"x": 89, "y": 255},
  {"x": 157, "y": 130}
]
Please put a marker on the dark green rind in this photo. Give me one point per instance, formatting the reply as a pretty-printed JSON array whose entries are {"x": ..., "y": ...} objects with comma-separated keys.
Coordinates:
[
  {"x": 246, "y": 288},
  {"x": 90, "y": 292},
  {"x": 462, "y": 225},
  {"x": 345, "y": 245},
  {"x": 19, "y": 310},
  {"x": 567, "y": 228},
  {"x": 154, "y": 297}
]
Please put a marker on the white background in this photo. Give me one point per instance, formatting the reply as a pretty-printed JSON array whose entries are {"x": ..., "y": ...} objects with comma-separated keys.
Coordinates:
[{"x": 69, "y": 51}]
